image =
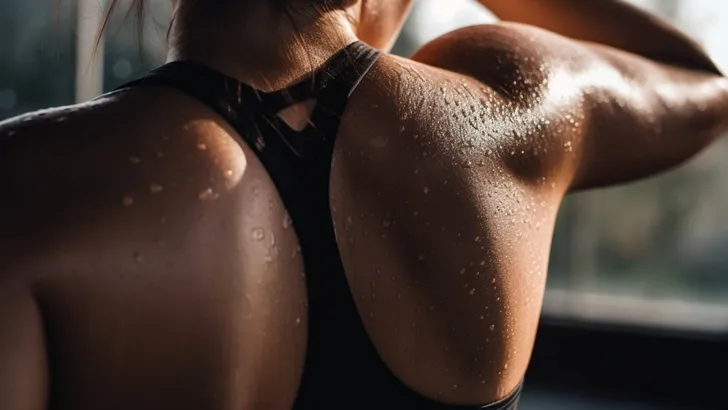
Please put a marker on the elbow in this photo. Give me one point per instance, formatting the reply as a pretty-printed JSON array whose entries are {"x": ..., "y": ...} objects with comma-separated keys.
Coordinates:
[
  {"x": 696, "y": 109},
  {"x": 714, "y": 111}
]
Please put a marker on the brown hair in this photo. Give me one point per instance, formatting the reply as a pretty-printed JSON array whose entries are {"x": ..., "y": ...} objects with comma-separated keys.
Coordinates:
[{"x": 137, "y": 9}]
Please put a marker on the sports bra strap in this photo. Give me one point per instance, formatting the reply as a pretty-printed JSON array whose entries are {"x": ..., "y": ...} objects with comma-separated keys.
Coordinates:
[{"x": 330, "y": 86}]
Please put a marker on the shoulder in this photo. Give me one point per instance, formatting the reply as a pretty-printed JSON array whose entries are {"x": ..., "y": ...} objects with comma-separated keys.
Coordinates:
[
  {"x": 482, "y": 48},
  {"x": 107, "y": 145},
  {"x": 109, "y": 171},
  {"x": 537, "y": 85},
  {"x": 444, "y": 113}
]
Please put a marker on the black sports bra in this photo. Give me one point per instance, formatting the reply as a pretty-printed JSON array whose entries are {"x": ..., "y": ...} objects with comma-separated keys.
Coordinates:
[{"x": 343, "y": 369}]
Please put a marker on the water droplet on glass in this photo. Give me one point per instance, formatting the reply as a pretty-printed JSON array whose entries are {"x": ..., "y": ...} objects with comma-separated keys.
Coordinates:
[
  {"x": 471, "y": 292},
  {"x": 258, "y": 234},
  {"x": 127, "y": 201},
  {"x": 201, "y": 147},
  {"x": 426, "y": 190},
  {"x": 138, "y": 257},
  {"x": 491, "y": 328},
  {"x": 160, "y": 154},
  {"x": 229, "y": 173},
  {"x": 386, "y": 223},
  {"x": 134, "y": 160}
]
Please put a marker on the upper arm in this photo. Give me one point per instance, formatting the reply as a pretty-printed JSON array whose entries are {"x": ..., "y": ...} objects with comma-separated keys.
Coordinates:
[
  {"x": 644, "y": 117},
  {"x": 23, "y": 367},
  {"x": 604, "y": 116},
  {"x": 22, "y": 353}
]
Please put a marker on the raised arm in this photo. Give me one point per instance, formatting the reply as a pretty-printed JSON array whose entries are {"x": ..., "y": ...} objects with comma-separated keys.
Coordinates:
[
  {"x": 638, "y": 98},
  {"x": 613, "y": 23}
]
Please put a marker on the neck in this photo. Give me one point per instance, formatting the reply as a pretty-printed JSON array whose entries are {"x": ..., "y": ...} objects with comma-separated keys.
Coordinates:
[{"x": 266, "y": 50}]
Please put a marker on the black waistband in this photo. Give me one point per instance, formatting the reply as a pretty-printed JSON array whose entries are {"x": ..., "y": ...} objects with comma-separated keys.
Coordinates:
[{"x": 509, "y": 402}]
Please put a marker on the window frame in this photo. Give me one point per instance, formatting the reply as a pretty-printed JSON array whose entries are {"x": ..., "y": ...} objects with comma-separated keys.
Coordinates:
[{"x": 89, "y": 81}]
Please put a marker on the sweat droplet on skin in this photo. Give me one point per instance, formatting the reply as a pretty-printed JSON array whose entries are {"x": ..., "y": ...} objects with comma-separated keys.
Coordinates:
[
  {"x": 155, "y": 188},
  {"x": 258, "y": 234},
  {"x": 205, "y": 194},
  {"x": 286, "y": 221},
  {"x": 379, "y": 142}
]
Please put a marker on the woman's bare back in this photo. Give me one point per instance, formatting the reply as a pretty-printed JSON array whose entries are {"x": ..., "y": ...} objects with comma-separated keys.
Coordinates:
[
  {"x": 157, "y": 262},
  {"x": 177, "y": 273}
]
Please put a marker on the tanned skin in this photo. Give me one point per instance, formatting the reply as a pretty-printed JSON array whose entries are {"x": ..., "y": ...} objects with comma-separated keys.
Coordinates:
[{"x": 146, "y": 259}]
